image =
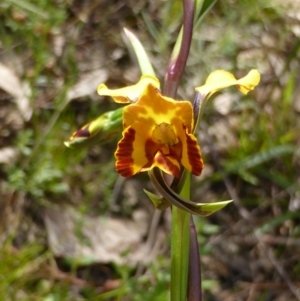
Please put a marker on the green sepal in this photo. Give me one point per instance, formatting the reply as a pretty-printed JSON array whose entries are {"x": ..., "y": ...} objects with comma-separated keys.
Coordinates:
[
  {"x": 159, "y": 202},
  {"x": 140, "y": 52},
  {"x": 104, "y": 129},
  {"x": 200, "y": 209},
  {"x": 209, "y": 208}
]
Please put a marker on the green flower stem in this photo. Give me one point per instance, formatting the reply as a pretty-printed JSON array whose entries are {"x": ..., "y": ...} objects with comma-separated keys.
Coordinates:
[{"x": 180, "y": 242}]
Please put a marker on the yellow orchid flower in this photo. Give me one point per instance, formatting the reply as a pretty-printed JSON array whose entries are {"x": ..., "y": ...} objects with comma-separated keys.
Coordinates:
[{"x": 158, "y": 131}]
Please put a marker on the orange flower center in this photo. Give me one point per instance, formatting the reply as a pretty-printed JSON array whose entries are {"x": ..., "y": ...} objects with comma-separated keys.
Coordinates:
[{"x": 164, "y": 134}]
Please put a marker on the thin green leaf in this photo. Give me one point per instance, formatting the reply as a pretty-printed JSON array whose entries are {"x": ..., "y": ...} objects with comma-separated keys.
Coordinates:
[
  {"x": 262, "y": 157},
  {"x": 198, "y": 9},
  {"x": 248, "y": 177},
  {"x": 205, "y": 7},
  {"x": 151, "y": 28},
  {"x": 278, "y": 220}
]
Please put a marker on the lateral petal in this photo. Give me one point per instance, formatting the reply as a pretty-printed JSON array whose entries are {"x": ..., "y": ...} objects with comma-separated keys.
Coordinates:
[
  {"x": 221, "y": 79},
  {"x": 130, "y": 93},
  {"x": 191, "y": 154},
  {"x": 135, "y": 150}
]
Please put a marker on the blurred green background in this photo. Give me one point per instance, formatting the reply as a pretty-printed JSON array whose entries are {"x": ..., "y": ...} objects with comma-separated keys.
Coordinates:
[{"x": 70, "y": 228}]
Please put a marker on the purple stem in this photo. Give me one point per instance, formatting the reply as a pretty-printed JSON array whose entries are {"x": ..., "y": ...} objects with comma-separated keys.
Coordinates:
[
  {"x": 176, "y": 66},
  {"x": 194, "y": 281}
]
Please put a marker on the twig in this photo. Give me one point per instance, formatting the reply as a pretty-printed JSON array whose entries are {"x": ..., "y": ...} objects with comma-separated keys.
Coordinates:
[
  {"x": 116, "y": 190},
  {"x": 150, "y": 239},
  {"x": 267, "y": 239}
]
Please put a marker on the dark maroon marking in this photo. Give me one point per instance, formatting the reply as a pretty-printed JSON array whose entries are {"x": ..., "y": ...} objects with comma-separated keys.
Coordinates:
[
  {"x": 83, "y": 132},
  {"x": 124, "y": 151}
]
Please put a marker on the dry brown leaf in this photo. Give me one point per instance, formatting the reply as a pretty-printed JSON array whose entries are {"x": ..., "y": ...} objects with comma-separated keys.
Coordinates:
[
  {"x": 223, "y": 103},
  {"x": 20, "y": 91},
  {"x": 8, "y": 155},
  {"x": 101, "y": 239},
  {"x": 88, "y": 84}
]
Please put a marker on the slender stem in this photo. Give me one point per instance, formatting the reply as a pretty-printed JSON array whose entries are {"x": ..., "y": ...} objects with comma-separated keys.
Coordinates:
[
  {"x": 177, "y": 63},
  {"x": 180, "y": 240},
  {"x": 180, "y": 235},
  {"x": 194, "y": 283}
]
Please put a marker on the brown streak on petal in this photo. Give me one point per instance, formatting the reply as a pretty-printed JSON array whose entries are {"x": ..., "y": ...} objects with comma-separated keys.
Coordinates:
[
  {"x": 124, "y": 163},
  {"x": 176, "y": 150},
  {"x": 193, "y": 152},
  {"x": 168, "y": 165},
  {"x": 151, "y": 148}
]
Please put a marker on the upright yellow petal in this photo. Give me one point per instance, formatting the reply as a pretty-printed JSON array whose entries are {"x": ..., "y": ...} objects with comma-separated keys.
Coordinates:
[
  {"x": 130, "y": 93},
  {"x": 156, "y": 108},
  {"x": 221, "y": 79}
]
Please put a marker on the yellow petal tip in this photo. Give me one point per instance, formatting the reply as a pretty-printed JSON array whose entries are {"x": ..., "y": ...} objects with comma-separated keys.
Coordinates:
[{"x": 101, "y": 88}]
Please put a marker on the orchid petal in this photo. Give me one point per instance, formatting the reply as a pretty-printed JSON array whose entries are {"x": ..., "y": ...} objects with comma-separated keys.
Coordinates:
[
  {"x": 167, "y": 164},
  {"x": 221, "y": 79},
  {"x": 191, "y": 154},
  {"x": 135, "y": 151},
  {"x": 130, "y": 93}
]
